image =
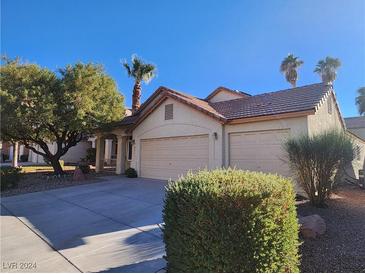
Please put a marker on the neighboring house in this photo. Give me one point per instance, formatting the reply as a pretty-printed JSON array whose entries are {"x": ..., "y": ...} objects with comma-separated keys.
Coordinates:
[
  {"x": 356, "y": 125},
  {"x": 7, "y": 151},
  {"x": 173, "y": 132},
  {"x": 356, "y": 129},
  {"x": 73, "y": 155}
]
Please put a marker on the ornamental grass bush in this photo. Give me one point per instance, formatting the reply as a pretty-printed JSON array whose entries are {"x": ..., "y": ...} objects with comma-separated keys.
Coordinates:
[
  {"x": 317, "y": 160},
  {"x": 230, "y": 220}
]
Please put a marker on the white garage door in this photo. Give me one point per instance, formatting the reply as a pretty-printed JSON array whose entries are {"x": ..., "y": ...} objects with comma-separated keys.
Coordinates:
[
  {"x": 168, "y": 158},
  {"x": 259, "y": 151}
]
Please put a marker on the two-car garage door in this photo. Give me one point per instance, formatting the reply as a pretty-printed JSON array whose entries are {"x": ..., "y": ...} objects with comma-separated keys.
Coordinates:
[
  {"x": 168, "y": 158},
  {"x": 259, "y": 151}
]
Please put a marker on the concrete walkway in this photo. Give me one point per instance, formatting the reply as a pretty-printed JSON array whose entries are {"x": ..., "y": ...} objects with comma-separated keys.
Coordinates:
[{"x": 106, "y": 227}]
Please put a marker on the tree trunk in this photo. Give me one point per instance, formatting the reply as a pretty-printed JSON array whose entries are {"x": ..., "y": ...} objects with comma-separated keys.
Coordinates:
[
  {"x": 57, "y": 168},
  {"x": 136, "y": 96}
]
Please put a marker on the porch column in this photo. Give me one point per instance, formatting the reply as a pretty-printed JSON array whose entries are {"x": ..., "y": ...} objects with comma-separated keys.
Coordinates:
[
  {"x": 21, "y": 151},
  {"x": 121, "y": 150},
  {"x": 100, "y": 154},
  {"x": 14, "y": 162},
  {"x": 108, "y": 151},
  {"x": 11, "y": 150}
]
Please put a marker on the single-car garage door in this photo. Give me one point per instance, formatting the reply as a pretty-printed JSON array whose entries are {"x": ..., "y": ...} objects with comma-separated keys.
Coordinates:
[
  {"x": 168, "y": 158},
  {"x": 259, "y": 151}
]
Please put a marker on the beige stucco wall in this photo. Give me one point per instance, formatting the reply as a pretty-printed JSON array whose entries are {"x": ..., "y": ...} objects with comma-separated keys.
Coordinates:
[
  {"x": 322, "y": 120},
  {"x": 186, "y": 121},
  {"x": 358, "y": 163},
  {"x": 224, "y": 95}
]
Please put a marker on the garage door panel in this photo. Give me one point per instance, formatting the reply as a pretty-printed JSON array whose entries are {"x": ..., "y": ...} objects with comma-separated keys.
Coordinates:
[
  {"x": 259, "y": 151},
  {"x": 166, "y": 158}
]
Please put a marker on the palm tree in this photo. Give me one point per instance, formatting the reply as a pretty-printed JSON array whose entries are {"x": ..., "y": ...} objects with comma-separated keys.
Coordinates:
[
  {"x": 140, "y": 71},
  {"x": 327, "y": 69},
  {"x": 360, "y": 100},
  {"x": 289, "y": 67}
]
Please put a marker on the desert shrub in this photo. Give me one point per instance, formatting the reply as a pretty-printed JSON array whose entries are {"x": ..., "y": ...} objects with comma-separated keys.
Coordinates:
[
  {"x": 24, "y": 158},
  {"x": 10, "y": 177},
  {"x": 91, "y": 155},
  {"x": 131, "y": 173},
  {"x": 316, "y": 161},
  {"x": 230, "y": 221}
]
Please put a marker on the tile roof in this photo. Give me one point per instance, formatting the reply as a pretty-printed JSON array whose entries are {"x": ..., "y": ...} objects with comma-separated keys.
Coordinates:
[
  {"x": 284, "y": 101},
  {"x": 355, "y": 122},
  {"x": 279, "y": 102}
]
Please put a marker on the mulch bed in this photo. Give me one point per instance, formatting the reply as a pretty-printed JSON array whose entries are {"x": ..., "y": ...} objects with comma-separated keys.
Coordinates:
[
  {"x": 40, "y": 182},
  {"x": 342, "y": 247}
]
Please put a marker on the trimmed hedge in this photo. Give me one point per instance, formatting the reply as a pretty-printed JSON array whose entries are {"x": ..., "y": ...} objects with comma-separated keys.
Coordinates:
[
  {"x": 9, "y": 177},
  {"x": 231, "y": 221},
  {"x": 131, "y": 173}
]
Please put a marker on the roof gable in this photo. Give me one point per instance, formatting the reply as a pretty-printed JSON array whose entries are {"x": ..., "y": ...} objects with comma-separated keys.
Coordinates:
[{"x": 225, "y": 94}]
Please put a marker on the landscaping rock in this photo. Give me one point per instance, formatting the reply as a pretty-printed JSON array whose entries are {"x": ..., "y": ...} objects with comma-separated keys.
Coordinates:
[
  {"x": 78, "y": 175},
  {"x": 312, "y": 226}
]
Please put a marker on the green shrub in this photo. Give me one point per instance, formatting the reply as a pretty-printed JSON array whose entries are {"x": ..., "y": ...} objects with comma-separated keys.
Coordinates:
[
  {"x": 85, "y": 168},
  {"x": 24, "y": 158},
  {"x": 91, "y": 155},
  {"x": 5, "y": 157},
  {"x": 131, "y": 173},
  {"x": 10, "y": 177},
  {"x": 317, "y": 160},
  {"x": 230, "y": 221}
]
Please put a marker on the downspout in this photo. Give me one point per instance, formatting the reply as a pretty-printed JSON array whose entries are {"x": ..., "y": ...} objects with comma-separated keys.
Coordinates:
[{"x": 223, "y": 146}]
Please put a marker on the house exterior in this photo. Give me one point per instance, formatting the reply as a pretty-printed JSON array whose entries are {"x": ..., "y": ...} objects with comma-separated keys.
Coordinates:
[
  {"x": 356, "y": 130},
  {"x": 73, "y": 155},
  {"x": 173, "y": 132}
]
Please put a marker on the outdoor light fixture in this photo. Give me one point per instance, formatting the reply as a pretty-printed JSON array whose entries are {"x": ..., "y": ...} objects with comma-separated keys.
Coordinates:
[{"x": 215, "y": 134}]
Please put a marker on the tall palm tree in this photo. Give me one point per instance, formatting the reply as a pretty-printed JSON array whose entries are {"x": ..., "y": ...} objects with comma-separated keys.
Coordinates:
[
  {"x": 140, "y": 71},
  {"x": 289, "y": 67},
  {"x": 360, "y": 100},
  {"x": 327, "y": 69}
]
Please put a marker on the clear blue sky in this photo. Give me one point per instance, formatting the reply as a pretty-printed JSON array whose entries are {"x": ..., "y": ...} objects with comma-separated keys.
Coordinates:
[{"x": 197, "y": 45}]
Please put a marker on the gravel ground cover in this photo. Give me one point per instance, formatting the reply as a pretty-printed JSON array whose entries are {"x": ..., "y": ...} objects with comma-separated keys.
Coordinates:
[
  {"x": 342, "y": 247},
  {"x": 41, "y": 182}
]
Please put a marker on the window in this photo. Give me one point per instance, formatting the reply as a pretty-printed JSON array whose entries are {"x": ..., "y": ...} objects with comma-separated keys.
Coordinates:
[
  {"x": 130, "y": 149},
  {"x": 329, "y": 105},
  {"x": 169, "y": 112}
]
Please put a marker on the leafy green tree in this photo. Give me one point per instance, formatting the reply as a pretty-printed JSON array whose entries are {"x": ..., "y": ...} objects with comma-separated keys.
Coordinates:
[
  {"x": 140, "y": 71},
  {"x": 327, "y": 69},
  {"x": 289, "y": 67},
  {"x": 39, "y": 106},
  {"x": 360, "y": 100}
]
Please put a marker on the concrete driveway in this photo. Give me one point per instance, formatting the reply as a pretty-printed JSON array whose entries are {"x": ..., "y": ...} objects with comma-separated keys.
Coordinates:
[{"x": 104, "y": 227}]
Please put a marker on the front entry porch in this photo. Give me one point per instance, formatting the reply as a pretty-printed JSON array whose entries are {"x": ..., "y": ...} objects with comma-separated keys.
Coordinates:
[{"x": 112, "y": 151}]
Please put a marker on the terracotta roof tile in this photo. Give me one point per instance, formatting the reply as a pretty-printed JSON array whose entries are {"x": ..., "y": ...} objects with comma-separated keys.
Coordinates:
[
  {"x": 284, "y": 101},
  {"x": 355, "y": 122}
]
